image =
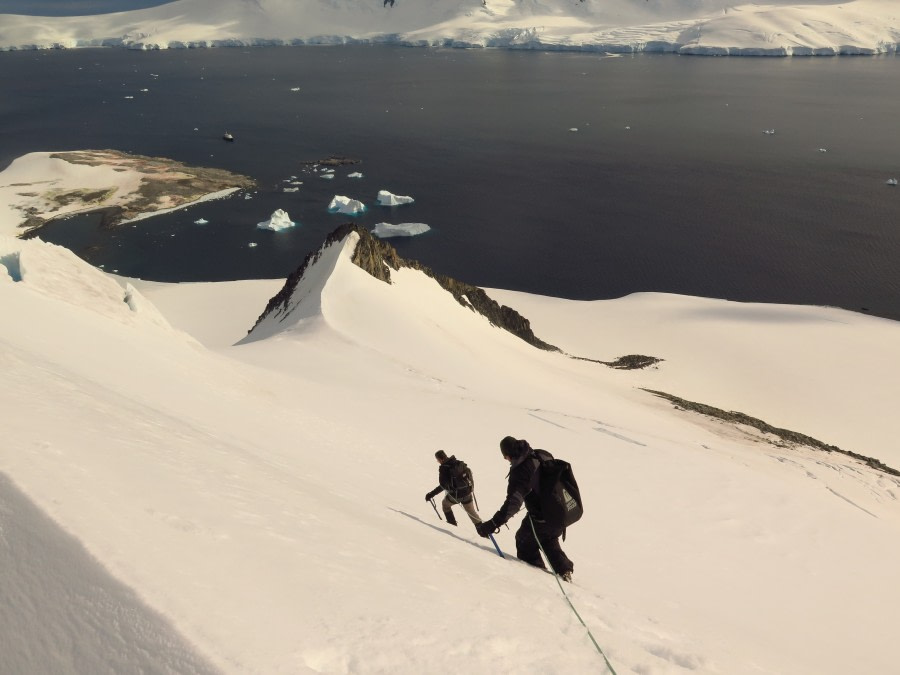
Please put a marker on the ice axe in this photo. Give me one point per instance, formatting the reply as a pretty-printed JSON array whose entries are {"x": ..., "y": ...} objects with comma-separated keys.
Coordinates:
[{"x": 435, "y": 509}]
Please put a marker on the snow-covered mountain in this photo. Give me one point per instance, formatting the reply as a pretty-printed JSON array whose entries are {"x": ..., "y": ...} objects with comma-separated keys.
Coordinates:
[
  {"x": 179, "y": 496},
  {"x": 778, "y": 27}
]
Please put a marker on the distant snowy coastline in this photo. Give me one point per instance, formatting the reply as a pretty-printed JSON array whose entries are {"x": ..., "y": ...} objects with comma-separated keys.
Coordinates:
[
  {"x": 609, "y": 49},
  {"x": 687, "y": 27}
]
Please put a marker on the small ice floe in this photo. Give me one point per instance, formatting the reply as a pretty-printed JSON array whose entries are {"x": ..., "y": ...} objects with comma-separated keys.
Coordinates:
[
  {"x": 252, "y": 244},
  {"x": 129, "y": 97},
  {"x": 891, "y": 181},
  {"x": 345, "y": 205},
  {"x": 145, "y": 90},
  {"x": 201, "y": 221},
  {"x": 385, "y": 230},
  {"x": 823, "y": 149},
  {"x": 326, "y": 176},
  {"x": 385, "y": 198},
  {"x": 295, "y": 88},
  {"x": 769, "y": 132},
  {"x": 355, "y": 174},
  {"x": 627, "y": 128},
  {"x": 248, "y": 196},
  {"x": 573, "y": 129},
  {"x": 279, "y": 221},
  {"x": 291, "y": 189}
]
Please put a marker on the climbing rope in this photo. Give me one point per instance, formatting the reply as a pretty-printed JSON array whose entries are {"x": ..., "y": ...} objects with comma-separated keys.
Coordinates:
[{"x": 565, "y": 595}]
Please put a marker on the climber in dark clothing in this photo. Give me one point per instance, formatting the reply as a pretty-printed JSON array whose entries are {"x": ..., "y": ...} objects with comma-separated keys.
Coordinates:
[
  {"x": 454, "y": 477},
  {"x": 522, "y": 489}
]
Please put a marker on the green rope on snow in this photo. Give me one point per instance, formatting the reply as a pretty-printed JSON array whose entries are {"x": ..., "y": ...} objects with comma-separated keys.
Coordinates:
[{"x": 565, "y": 595}]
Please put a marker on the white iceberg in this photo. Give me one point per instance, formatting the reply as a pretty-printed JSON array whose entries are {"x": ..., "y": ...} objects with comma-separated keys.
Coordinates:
[
  {"x": 201, "y": 221},
  {"x": 891, "y": 181},
  {"x": 279, "y": 221},
  {"x": 341, "y": 204},
  {"x": 327, "y": 176},
  {"x": 385, "y": 198},
  {"x": 355, "y": 174},
  {"x": 385, "y": 230}
]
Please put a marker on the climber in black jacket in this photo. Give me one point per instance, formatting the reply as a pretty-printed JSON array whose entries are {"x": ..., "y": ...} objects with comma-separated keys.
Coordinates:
[
  {"x": 454, "y": 477},
  {"x": 522, "y": 489}
]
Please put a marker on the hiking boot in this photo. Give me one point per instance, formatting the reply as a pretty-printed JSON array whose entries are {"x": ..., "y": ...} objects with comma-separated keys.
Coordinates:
[{"x": 567, "y": 576}]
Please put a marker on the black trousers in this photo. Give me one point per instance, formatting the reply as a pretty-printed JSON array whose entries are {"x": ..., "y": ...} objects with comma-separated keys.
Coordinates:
[{"x": 527, "y": 548}]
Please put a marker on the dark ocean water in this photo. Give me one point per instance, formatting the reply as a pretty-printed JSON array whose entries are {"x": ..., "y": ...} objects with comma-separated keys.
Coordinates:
[{"x": 668, "y": 184}]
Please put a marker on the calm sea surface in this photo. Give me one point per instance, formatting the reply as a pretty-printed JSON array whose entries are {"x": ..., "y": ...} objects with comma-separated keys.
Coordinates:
[{"x": 668, "y": 184}]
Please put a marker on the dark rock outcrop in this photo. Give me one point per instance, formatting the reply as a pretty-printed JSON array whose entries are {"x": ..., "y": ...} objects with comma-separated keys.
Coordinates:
[
  {"x": 786, "y": 436},
  {"x": 378, "y": 258}
]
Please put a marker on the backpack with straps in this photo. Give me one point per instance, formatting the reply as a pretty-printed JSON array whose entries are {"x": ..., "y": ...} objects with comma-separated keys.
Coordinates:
[
  {"x": 460, "y": 477},
  {"x": 558, "y": 492}
]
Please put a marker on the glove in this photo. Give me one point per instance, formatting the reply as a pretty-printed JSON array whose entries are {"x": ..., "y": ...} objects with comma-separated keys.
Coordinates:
[
  {"x": 486, "y": 528},
  {"x": 430, "y": 495}
]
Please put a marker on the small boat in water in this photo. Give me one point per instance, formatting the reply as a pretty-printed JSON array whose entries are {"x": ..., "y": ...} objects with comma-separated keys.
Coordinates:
[{"x": 228, "y": 137}]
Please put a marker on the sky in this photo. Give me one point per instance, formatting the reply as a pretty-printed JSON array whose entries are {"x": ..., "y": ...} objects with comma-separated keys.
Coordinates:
[
  {"x": 177, "y": 495},
  {"x": 717, "y": 27}
]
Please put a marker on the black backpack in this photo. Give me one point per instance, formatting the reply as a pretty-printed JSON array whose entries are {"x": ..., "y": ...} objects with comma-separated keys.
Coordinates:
[
  {"x": 558, "y": 492},
  {"x": 460, "y": 476}
]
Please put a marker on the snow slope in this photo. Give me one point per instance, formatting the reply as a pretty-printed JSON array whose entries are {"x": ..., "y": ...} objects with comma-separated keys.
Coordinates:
[
  {"x": 777, "y": 27},
  {"x": 264, "y": 500}
]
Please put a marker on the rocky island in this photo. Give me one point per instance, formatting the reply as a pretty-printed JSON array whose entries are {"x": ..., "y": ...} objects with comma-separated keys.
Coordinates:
[{"x": 41, "y": 187}]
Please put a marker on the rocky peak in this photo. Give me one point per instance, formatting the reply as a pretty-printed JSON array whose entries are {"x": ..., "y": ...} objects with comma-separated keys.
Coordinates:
[{"x": 378, "y": 258}]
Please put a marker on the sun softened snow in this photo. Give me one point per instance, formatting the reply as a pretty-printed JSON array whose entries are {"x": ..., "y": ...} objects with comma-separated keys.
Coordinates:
[{"x": 265, "y": 499}]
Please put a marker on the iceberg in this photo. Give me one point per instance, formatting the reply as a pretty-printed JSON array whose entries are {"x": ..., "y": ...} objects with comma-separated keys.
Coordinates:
[
  {"x": 355, "y": 174},
  {"x": 345, "y": 205},
  {"x": 201, "y": 221},
  {"x": 385, "y": 198},
  {"x": 279, "y": 221},
  {"x": 385, "y": 230}
]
